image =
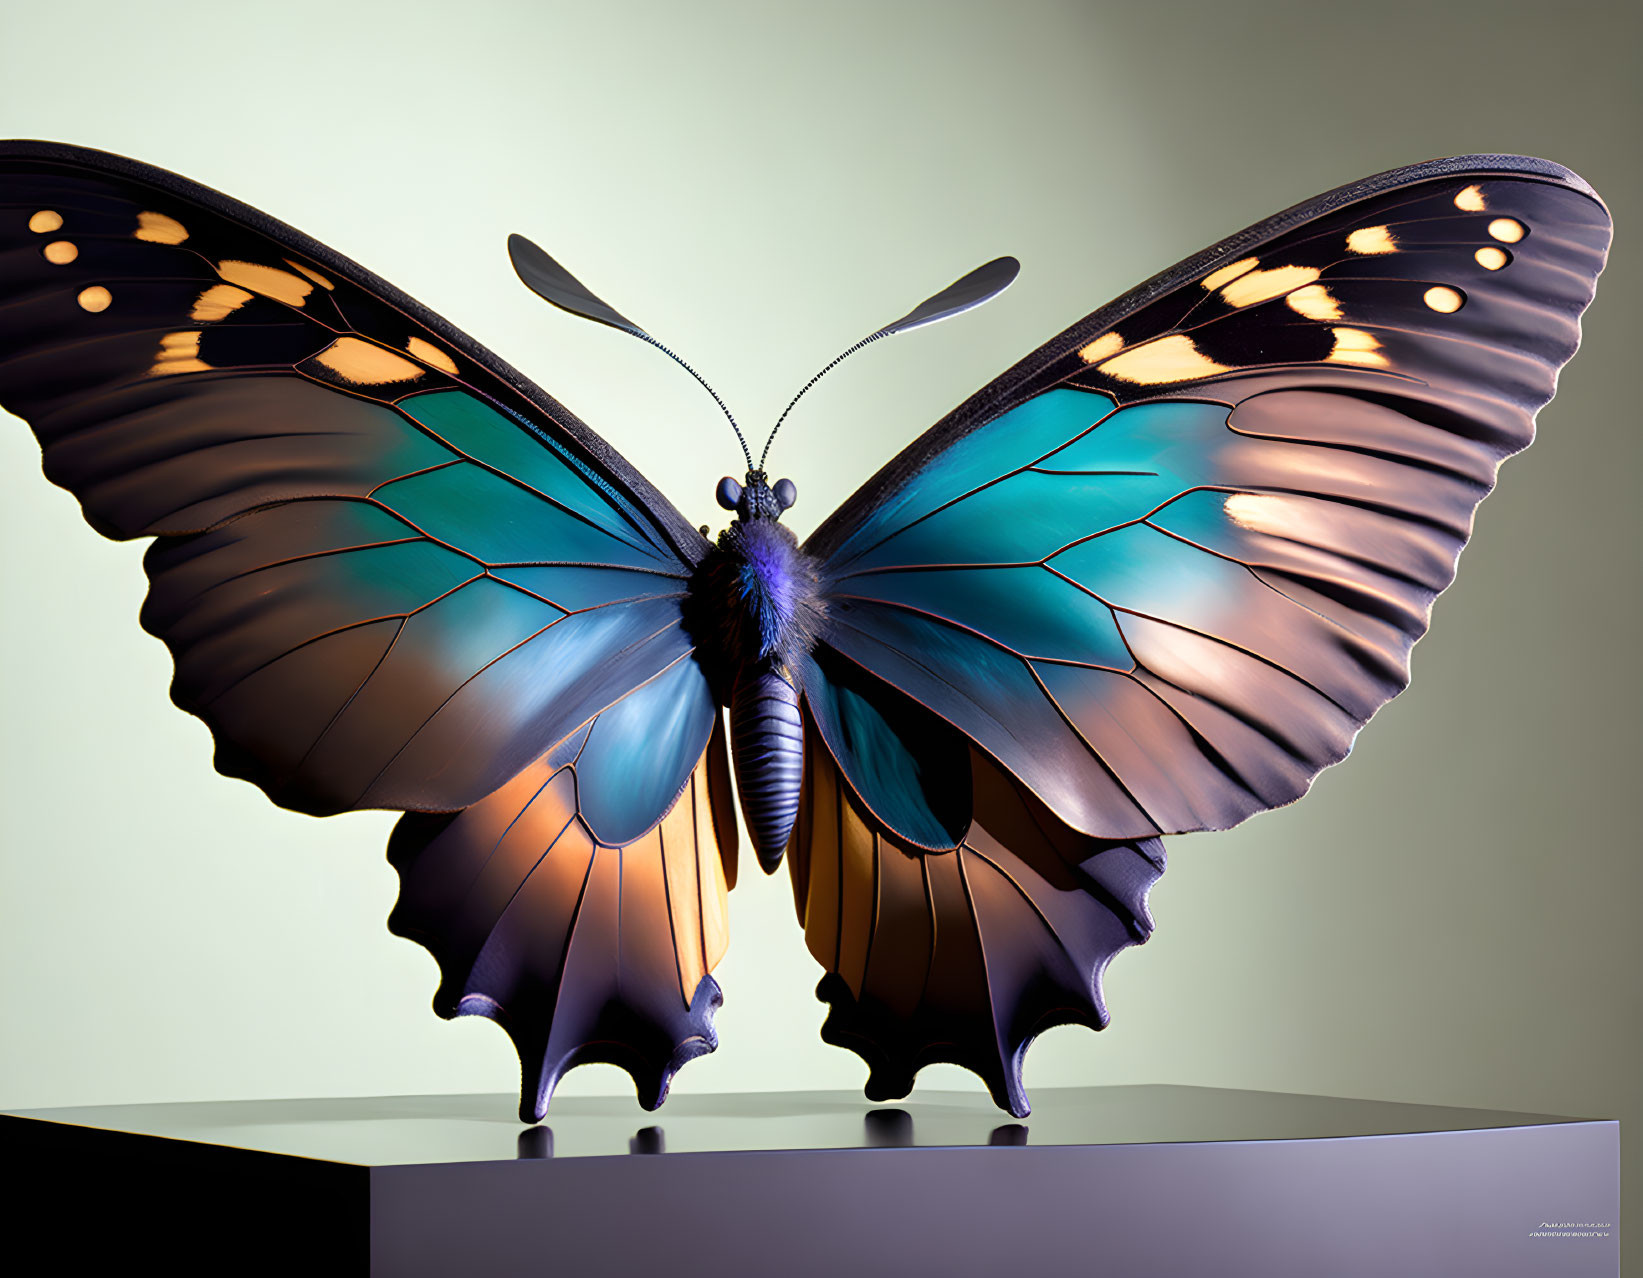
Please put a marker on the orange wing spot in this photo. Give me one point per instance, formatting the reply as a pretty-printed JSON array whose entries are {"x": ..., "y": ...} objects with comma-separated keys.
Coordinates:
[
  {"x": 94, "y": 299},
  {"x": 1167, "y": 359},
  {"x": 312, "y": 274},
  {"x": 1229, "y": 272},
  {"x": 1470, "y": 200},
  {"x": 157, "y": 228},
  {"x": 60, "y": 252},
  {"x": 1354, "y": 346},
  {"x": 1103, "y": 347},
  {"x": 46, "y": 221},
  {"x": 1372, "y": 239},
  {"x": 431, "y": 355},
  {"x": 179, "y": 353},
  {"x": 270, "y": 281},
  {"x": 219, "y": 301},
  {"x": 1508, "y": 230},
  {"x": 1491, "y": 259},
  {"x": 1315, "y": 302},
  {"x": 366, "y": 364},
  {"x": 1262, "y": 286}
]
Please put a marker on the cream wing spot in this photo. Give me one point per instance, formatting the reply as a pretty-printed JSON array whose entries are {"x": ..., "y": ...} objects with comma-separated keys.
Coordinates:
[
  {"x": 1229, "y": 272},
  {"x": 1470, "y": 199},
  {"x": 1369, "y": 240},
  {"x": 60, "y": 252},
  {"x": 1103, "y": 347},
  {"x": 1315, "y": 302},
  {"x": 94, "y": 299},
  {"x": 1444, "y": 300},
  {"x": 1262, "y": 286},
  {"x": 1508, "y": 230},
  {"x": 1491, "y": 258},
  {"x": 46, "y": 221},
  {"x": 1354, "y": 346},
  {"x": 1295, "y": 519},
  {"x": 1175, "y": 358}
]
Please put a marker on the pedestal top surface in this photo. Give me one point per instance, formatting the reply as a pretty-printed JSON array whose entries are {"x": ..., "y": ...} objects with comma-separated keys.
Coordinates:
[{"x": 398, "y": 1130}]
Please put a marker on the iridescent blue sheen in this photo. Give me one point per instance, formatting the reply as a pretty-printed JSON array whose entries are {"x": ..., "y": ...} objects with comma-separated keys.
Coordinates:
[
  {"x": 1201, "y": 518},
  {"x": 537, "y": 691},
  {"x": 575, "y": 588},
  {"x": 1011, "y": 500},
  {"x": 1022, "y": 519},
  {"x": 1144, "y": 570},
  {"x": 517, "y": 525},
  {"x": 1030, "y": 610},
  {"x": 463, "y": 632},
  {"x": 1027, "y": 543},
  {"x": 980, "y": 687},
  {"x": 641, "y": 752},
  {"x": 916, "y": 784},
  {"x": 1176, "y": 440},
  {"x": 535, "y": 460},
  {"x": 1013, "y": 440}
]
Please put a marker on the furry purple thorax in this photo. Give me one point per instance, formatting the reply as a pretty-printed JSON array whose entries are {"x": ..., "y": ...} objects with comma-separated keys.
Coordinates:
[
  {"x": 754, "y": 601},
  {"x": 774, "y": 586}
]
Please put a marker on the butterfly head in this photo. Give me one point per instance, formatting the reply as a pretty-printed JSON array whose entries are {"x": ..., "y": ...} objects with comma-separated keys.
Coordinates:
[{"x": 756, "y": 498}]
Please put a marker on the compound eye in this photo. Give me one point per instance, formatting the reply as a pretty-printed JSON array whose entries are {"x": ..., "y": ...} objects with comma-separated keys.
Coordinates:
[
  {"x": 786, "y": 492},
  {"x": 728, "y": 493}
]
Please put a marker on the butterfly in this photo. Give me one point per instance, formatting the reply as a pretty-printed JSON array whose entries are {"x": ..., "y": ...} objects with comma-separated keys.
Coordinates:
[{"x": 1151, "y": 580}]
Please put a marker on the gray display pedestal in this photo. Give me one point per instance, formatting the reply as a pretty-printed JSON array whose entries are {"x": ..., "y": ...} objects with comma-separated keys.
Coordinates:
[{"x": 1106, "y": 1180}]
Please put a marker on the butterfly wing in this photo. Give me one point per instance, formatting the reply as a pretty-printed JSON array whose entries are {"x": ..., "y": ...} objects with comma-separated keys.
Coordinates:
[
  {"x": 967, "y": 954},
  {"x": 582, "y": 949},
  {"x": 1163, "y": 570},
  {"x": 392, "y": 572}
]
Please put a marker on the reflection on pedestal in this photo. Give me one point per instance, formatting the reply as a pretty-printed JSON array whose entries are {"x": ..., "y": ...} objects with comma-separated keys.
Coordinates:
[{"x": 1128, "y": 1180}]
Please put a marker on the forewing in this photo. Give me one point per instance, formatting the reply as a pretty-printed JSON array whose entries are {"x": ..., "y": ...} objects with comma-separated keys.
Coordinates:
[
  {"x": 1165, "y": 569},
  {"x": 391, "y": 571}
]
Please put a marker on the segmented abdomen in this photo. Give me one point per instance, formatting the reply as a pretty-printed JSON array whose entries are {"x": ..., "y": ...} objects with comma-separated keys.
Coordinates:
[{"x": 767, "y": 744}]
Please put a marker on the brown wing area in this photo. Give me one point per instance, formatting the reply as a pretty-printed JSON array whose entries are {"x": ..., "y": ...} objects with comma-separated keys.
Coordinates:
[
  {"x": 582, "y": 951},
  {"x": 966, "y": 955}
]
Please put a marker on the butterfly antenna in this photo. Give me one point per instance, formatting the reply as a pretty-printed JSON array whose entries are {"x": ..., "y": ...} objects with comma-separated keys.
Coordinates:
[
  {"x": 553, "y": 283},
  {"x": 723, "y": 407},
  {"x": 834, "y": 363},
  {"x": 980, "y": 285}
]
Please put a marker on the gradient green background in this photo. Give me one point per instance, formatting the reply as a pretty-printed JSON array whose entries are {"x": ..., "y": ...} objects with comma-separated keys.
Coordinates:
[{"x": 1450, "y": 917}]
